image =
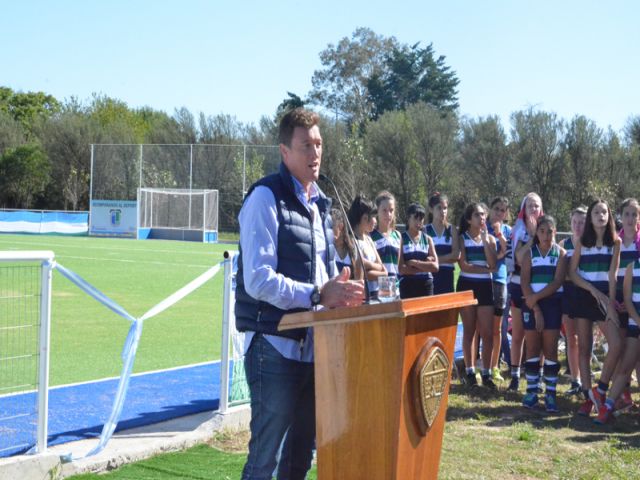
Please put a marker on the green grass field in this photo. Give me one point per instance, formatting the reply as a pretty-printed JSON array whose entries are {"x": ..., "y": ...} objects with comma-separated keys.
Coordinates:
[
  {"x": 488, "y": 435},
  {"x": 87, "y": 338}
]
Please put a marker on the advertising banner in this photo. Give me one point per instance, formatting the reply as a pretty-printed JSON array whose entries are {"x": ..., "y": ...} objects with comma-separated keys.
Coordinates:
[{"x": 113, "y": 217}]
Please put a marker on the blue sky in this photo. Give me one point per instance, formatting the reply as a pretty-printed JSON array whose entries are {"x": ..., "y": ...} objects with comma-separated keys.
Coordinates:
[{"x": 240, "y": 58}]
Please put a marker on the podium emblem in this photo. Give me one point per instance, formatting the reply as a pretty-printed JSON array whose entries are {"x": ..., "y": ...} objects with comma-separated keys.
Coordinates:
[{"x": 429, "y": 381}]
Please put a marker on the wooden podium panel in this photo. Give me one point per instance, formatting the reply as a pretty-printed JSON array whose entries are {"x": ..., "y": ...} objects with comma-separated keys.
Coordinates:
[{"x": 365, "y": 404}]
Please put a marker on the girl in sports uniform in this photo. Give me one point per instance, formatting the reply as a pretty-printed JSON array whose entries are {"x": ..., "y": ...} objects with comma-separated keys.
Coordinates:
[
  {"x": 593, "y": 270},
  {"x": 498, "y": 212},
  {"x": 418, "y": 258},
  {"x": 386, "y": 237},
  {"x": 578, "y": 217},
  {"x": 631, "y": 355},
  {"x": 477, "y": 263},
  {"x": 346, "y": 254},
  {"x": 543, "y": 271},
  {"x": 361, "y": 216},
  {"x": 445, "y": 239},
  {"x": 522, "y": 236},
  {"x": 629, "y": 241}
]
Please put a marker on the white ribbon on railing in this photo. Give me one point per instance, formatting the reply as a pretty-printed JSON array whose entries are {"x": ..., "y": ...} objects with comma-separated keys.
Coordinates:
[{"x": 131, "y": 343}]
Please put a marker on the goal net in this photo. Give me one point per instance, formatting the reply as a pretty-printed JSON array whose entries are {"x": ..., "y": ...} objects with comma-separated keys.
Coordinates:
[
  {"x": 178, "y": 214},
  {"x": 25, "y": 299}
]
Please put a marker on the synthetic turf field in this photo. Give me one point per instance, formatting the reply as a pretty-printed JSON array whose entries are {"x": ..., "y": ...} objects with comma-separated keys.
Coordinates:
[{"x": 87, "y": 338}]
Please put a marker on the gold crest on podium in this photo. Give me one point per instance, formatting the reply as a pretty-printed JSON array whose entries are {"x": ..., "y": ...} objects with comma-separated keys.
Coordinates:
[{"x": 430, "y": 373}]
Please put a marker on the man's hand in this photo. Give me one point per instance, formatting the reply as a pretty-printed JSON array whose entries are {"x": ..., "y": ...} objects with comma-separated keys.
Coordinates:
[{"x": 342, "y": 292}]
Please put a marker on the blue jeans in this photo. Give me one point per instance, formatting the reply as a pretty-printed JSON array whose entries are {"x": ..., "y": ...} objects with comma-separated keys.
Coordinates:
[{"x": 282, "y": 406}]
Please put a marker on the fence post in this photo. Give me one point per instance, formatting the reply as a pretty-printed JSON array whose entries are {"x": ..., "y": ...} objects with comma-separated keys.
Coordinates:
[
  {"x": 43, "y": 375},
  {"x": 226, "y": 317}
]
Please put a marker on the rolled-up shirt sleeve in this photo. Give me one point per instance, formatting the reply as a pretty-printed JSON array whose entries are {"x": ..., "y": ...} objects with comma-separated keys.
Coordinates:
[{"x": 259, "y": 242}]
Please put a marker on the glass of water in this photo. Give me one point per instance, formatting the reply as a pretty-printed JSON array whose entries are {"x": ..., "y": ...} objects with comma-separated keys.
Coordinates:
[{"x": 387, "y": 289}]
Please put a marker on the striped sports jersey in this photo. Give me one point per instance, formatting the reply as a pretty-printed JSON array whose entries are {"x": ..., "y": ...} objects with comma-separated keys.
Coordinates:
[
  {"x": 389, "y": 249},
  {"x": 342, "y": 262},
  {"x": 474, "y": 253},
  {"x": 442, "y": 243},
  {"x": 594, "y": 266},
  {"x": 416, "y": 250},
  {"x": 368, "y": 250},
  {"x": 543, "y": 267},
  {"x": 627, "y": 255},
  {"x": 635, "y": 290},
  {"x": 500, "y": 275},
  {"x": 569, "y": 247},
  {"x": 515, "y": 272}
]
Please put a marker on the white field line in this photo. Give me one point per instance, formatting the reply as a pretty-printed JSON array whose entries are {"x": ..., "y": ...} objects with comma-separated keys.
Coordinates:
[
  {"x": 141, "y": 374},
  {"x": 141, "y": 250},
  {"x": 122, "y": 260}
]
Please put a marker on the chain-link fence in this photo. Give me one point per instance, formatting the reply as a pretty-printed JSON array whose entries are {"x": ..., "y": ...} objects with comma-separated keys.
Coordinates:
[{"x": 117, "y": 171}]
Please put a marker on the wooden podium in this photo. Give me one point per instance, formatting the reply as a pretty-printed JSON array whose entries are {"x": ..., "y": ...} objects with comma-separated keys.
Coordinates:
[{"x": 382, "y": 381}]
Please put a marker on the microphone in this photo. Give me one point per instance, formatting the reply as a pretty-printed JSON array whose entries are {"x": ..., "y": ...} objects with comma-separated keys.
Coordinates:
[{"x": 367, "y": 293}]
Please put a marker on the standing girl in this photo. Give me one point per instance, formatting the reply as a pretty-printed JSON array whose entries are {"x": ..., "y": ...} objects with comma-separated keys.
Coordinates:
[
  {"x": 477, "y": 263},
  {"x": 499, "y": 210},
  {"x": 578, "y": 216},
  {"x": 346, "y": 254},
  {"x": 522, "y": 236},
  {"x": 386, "y": 237},
  {"x": 445, "y": 240},
  {"x": 593, "y": 269},
  {"x": 629, "y": 240},
  {"x": 631, "y": 355},
  {"x": 417, "y": 256},
  {"x": 361, "y": 217},
  {"x": 543, "y": 271}
]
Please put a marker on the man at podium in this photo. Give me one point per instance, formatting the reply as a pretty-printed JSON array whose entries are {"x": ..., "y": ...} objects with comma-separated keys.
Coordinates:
[{"x": 286, "y": 264}]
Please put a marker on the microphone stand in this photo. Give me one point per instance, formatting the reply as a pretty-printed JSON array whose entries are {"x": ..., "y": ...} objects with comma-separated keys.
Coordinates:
[{"x": 367, "y": 293}]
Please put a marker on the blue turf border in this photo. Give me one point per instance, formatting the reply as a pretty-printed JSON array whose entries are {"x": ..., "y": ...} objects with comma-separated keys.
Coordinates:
[{"x": 77, "y": 412}]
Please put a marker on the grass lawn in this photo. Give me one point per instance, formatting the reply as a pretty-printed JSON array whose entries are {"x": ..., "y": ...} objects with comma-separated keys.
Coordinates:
[
  {"x": 487, "y": 436},
  {"x": 87, "y": 338}
]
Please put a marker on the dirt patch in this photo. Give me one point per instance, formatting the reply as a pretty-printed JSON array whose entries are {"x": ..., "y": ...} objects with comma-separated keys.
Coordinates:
[{"x": 231, "y": 441}]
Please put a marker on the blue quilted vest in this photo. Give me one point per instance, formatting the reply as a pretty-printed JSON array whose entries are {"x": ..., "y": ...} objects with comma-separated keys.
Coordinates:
[{"x": 296, "y": 255}]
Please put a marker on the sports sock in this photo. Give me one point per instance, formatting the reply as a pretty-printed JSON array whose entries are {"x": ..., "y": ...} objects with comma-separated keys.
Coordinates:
[
  {"x": 532, "y": 371},
  {"x": 551, "y": 370}
]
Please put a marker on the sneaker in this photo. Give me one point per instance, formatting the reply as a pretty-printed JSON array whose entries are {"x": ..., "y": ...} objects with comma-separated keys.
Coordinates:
[
  {"x": 605, "y": 415},
  {"x": 623, "y": 403},
  {"x": 585, "y": 408},
  {"x": 514, "y": 384},
  {"x": 488, "y": 382},
  {"x": 550, "y": 403},
  {"x": 597, "y": 398},
  {"x": 471, "y": 381},
  {"x": 576, "y": 389},
  {"x": 530, "y": 400},
  {"x": 495, "y": 375}
]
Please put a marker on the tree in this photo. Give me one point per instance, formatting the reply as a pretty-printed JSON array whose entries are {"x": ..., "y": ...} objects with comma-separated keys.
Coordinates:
[
  {"x": 433, "y": 136},
  {"x": 412, "y": 74},
  {"x": 582, "y": 145},
  {"x": 24, "y": 173},
  {"x": 341, "y": 86},
  {"x": 186, "y": 124},
  {"x": 632, "y": 130},
  {"x": 484, "y": 157},
  {"x": 11, "y": 132},
  {"x": 537, "y": 138},
  {"x": 67, "y": 139},
  {"x": 391, "y": 149},
  {"x": 28, "y": 108}
]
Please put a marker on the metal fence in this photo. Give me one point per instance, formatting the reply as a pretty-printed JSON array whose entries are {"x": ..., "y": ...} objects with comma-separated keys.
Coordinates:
[{"x": 118, "y": 170}]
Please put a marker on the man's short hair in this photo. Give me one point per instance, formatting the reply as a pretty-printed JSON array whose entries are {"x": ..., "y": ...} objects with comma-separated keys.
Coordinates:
[{"x": 298, "y": 117}]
